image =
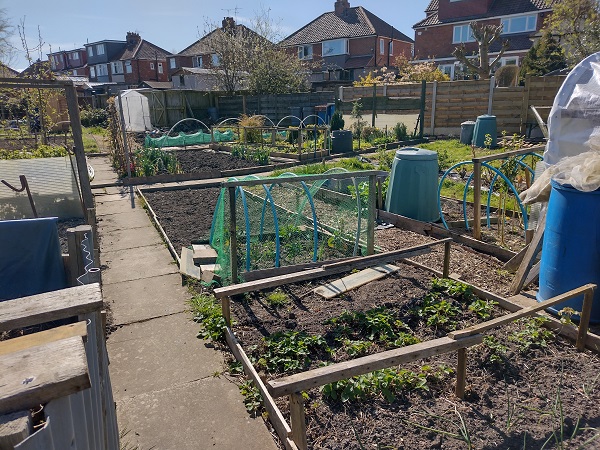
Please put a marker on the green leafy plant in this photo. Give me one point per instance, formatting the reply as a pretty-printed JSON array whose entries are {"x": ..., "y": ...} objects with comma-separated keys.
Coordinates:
[
  {"x": 400, "y": 132},
  {"x": 207, "y": 312},
  {"x": 533, "y": 334},
  {"x": 497, "y": 349},
  {"x": 378, "y": 324},
  {"x": 153, "y": 161},
  {"x": 277, "y": 299},
  {"x": 455, "y": 289},
  {"x": 566, "y": 315},
  {"x": 483, "y": 308},
  {"x": 252, "y": 397},
  {"x": 337, "y": 121},
  {"x": 356, "y": 348},
  {"x": 289, "y": 351}
]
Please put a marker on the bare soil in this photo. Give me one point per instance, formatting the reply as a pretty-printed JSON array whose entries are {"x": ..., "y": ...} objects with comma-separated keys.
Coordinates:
[
  {"x": 544, "y": 396},
  {"x": 202, "y": 160}
]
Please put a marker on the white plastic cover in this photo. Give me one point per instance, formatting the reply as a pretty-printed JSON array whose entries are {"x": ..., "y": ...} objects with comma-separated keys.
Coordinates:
[
  {"x": 136, "y": 111},
  {"x": 575, "y": 114}
]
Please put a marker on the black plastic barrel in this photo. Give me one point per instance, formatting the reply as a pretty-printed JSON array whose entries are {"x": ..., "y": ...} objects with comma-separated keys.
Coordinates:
[{"x": 341, "y": 141}]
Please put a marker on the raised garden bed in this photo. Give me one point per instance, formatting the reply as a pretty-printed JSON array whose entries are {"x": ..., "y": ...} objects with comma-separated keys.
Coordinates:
[{"x": 526, "y": 388}]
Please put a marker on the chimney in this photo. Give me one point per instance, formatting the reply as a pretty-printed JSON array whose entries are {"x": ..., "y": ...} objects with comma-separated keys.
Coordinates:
[
  {"x": 228, "y": 23},
  {"x": 132, "y": 39},
  {"x": 341, "y": 6}
]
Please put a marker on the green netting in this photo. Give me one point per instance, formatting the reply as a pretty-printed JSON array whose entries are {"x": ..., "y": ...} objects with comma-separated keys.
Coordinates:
[
  {"x": 189, "y": 139},
  {"x": 286, "y": 223}
]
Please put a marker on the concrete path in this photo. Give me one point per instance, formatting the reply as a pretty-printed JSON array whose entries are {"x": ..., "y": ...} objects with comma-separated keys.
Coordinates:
[{"x": 166, "y": 382}]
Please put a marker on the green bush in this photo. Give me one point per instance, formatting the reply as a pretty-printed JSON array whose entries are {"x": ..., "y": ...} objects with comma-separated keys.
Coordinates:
[
  {"x": 94, "y": 117},
  {"x": 400, "y": 132},
  {"x": 337, "y": 121}
]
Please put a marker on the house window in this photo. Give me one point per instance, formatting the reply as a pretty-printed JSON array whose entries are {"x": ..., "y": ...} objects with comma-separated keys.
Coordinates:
[
  {"x": 116, "y": 67},
  {"x": 90, "y": 51},
  {"x": 100, "y": 49},
  {"x": 172, "y": 63},
  {"x": 509, "y": 61},
  {"x": 102, "y": 70},
  {"x": 519, "y": 24},
  {"x": 335, "y": 47},
  {"x": 197, "y": 62},
  {"x": 92, "y": 72},
  {"x": 215, "y": 60},
  {"x": 391, "y": 47},
  {"x": 462, "y": 33},
  {"x": 381, "y": 47},
  {"x": 448, "y": 69},
  {"x": 74, "y": 56},
  {"x": 151, "y": 66},
  {"x": 305, "y": 52},
  {"x": 128, "y": 66},
  {"x": 160, "y": 68}
]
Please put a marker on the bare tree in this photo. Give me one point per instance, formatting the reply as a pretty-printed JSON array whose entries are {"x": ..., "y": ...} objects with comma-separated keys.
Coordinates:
[
  {"x": 485, "y": 35},
  {"x": 7, "y": 51}
]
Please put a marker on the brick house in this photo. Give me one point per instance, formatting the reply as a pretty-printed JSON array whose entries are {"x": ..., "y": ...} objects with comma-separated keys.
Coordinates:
[
  {"x": 447, "y": 25},
  {"x": 72, "y": 62},
  {"x": 347, "y": 43},
  {"x": 126, "y": 63}
]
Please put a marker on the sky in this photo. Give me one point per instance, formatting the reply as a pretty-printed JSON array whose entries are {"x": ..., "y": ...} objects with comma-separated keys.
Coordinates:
[{"x": 69, "y": 24}]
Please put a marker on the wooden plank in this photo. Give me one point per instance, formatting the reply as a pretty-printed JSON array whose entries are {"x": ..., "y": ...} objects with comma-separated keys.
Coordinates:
[
  {"x": 503, "y": 320},
  {"x": 540, "y": 121},
  {"x": 359, "y": 366},
  {"x": 461, "y": 373},
  {"x": 584, "y": 320},
  {"x": 513, "y": 263},
  {"x": 533, "y": 274},
  {"x": 37, "y": 375},
  {"x": 298, "y": 419},
  {"x": 504, "y": 155},
  {"x": 279, "y": 423},
  {"x": 14, "y": 428},
  {"x": 43, "y": 337},
  {"x": 41, "y": 308},
  {"x": 326, "y": 270},
  {"x": 355, "y": 280},
  {"x": 534, "y": 248},
  {"x": 41, "y": 439}
]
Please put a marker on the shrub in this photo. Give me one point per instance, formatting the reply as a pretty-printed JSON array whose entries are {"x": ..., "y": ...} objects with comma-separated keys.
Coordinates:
[
  {"x": 253, "y": 134},
  {"x": 400, "y": 132},
  {"x": 337, "y": 121},
  {"x": 92, "y": 117}
]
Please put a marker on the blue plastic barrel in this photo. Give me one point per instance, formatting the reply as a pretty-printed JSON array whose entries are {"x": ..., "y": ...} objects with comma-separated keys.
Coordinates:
[
  {"x": 485, "y": 124},
  {"x": 571, "y": 248},
  {"x": 412, "y": 190}
]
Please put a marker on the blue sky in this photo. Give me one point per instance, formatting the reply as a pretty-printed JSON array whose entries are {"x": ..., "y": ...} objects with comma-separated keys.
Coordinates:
[{"x": 172, "y": 25}]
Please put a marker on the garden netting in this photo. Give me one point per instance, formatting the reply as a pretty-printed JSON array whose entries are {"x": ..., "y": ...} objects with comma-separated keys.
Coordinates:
[
  {"x": 293, "y": 222},
  {"x": 183, "y": 139}
]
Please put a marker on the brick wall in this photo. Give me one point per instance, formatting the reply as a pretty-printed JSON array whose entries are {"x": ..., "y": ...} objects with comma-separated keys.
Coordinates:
[
  {"x": 141, "y": 70},
  {"x": 463, "y": 8}
]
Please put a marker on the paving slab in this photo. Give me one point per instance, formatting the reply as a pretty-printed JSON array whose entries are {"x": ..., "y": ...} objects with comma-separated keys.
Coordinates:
[
  {"x": 147, "y": 298},
  {"x": 119, "y": 196},
  {"x": 205, "y": 414},
  {"x": 99, "y": 192},
  {"x": 126, "y": 220},
  {"x": 128, "y": 238},
  {"x": 159, "y": 354},
  {"x": 123, "y": 206},
  {"x": 135, "y": 263}
]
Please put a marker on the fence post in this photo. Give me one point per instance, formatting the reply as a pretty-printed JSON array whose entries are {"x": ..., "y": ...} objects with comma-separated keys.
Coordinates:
[
  {"x": 491, "y": 96},
  {"x": 124, "y": 133},
  {"x": 477, "y": 199},
  {"x": 461, "y": 373},
  {"x": 232, "y": 236},
  {"x": 584, "y": 320},
  {"x": 298, "y": 420},
  {"x": 433, "y": 100},
  {"x": 422, "y": 112},
  {"x": 371, "y": 215},
  {"x": 81, "y": 268}
]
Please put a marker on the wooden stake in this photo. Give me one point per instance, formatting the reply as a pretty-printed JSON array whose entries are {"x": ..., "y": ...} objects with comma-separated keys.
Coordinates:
[
  {"x": 461, "y": 373},
  {"x": 477, "y": 199},
  {"x": 584, "y": 321},
  {"x": 446, "y": 271},
  {"x": 534, "y": 247},
  {"x": 371, "y": 216},
  {"x": 232, "y": 236},
  {"x": 226, "y": 309},
  {"x": 298, "y": 421}
]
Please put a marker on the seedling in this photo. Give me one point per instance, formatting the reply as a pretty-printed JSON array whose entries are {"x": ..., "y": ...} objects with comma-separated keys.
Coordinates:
[
  {"x": 277, "y": 299},
  {"x": 566, "y": 316},
  {"x": 208, "y": 314},
  {"x": 533, "y": 334},
  {"x": 483, "y": 308},
  {"x": 497, "y": 350},
  {"x": 290, "y": 351},
  {"x": 252, "y": 397},
  {"x": 455, "y": 289}
]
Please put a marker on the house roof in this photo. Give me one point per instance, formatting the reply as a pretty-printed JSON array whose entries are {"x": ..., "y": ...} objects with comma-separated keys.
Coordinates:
[
  {"x": 202, "y": 46},
  {"x": 7, "y": 72},
  {"x": 357, "y": 22},
  {"x": 158, "y": 84},
  {"x": 498, "y": 8},
  {"x": 143, "y": 50}
]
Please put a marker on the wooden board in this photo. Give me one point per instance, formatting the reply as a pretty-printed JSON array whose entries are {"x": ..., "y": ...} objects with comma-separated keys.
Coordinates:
[
  {"x": 359, "y": 366},
  {"x": 14, "y": 428},
  {"x": 39, "y": 374},
  {"x": 41, "y": 308},
  {"x": 355, "y": 280},
  {"x": 43, "y": 337},
  {"x": 535, "y": 246}
]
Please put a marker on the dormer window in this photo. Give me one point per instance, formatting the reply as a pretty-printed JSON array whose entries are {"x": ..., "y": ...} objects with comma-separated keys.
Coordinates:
[
  {"x": 519, "y": 24},
  {"x": 305, "y": 52},
  {"x": 336, "y": 47}
]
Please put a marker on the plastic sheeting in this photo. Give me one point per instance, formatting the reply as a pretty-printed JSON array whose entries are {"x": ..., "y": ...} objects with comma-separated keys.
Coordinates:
[
  {"x": 53, "y": 186},
  {"x": 575, "y": 114},
  {"x": 30, "y": 258},
  {"x": 189, "y": 139}
]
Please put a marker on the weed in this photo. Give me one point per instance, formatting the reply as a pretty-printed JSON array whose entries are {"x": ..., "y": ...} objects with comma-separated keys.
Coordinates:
[
  {"x": 235, "y": 367},
  {"x": 252, "y": 397},
  {"x": 208, "y": 313},
  {"x": 566, "y": 316},
  {"x": 533, "y": 334},
  {"x": 277, "y": 299},
  {"x": 289, "y": 351},
  {"x": 497, "y": 350},
  {"x": 482, "y": 308}
]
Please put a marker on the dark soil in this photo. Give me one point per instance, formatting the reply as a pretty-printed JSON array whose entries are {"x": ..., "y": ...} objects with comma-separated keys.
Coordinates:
[
  {"x": 203, "y": 160},
  {"x": 521, "y": 399},
  {"x": 63, "y": 226}
]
